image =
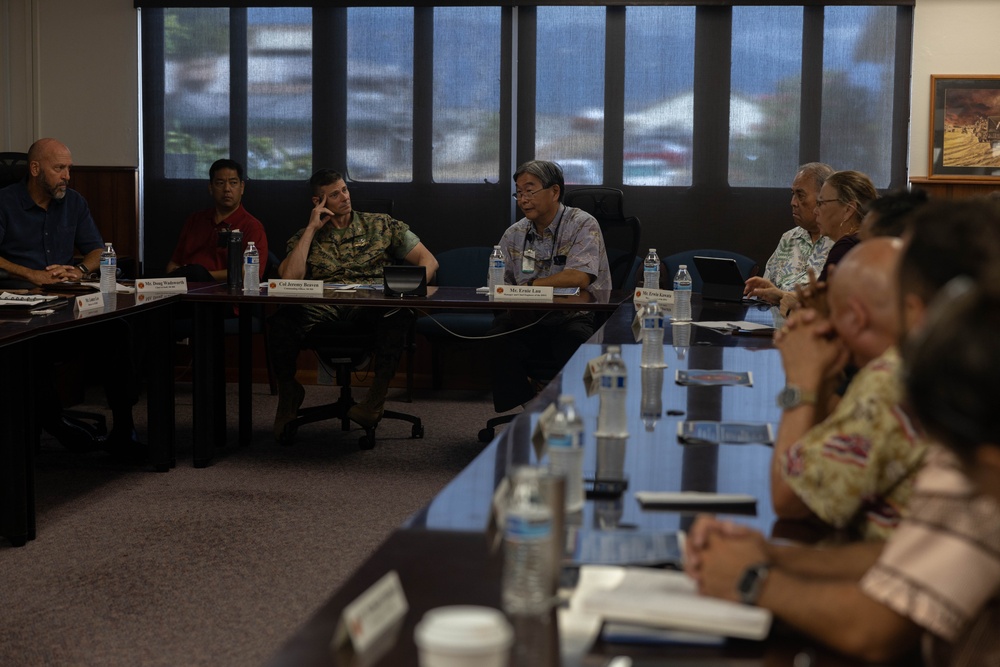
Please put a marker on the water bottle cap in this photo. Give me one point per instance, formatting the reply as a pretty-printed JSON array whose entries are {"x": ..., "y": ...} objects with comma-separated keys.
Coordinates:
[{"x": 683, "y": 266}]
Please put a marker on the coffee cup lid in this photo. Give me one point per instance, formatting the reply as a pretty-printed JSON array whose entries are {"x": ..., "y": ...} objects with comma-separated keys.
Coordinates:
[{"x": 463, "y": 629}]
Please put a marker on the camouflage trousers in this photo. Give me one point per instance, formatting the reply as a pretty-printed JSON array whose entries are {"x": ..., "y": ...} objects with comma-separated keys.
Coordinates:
[{"x": 386, "y": 329}]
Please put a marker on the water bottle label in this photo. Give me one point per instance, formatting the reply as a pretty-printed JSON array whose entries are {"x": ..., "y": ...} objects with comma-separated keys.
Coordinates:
[
  {"x": 108, "y": 261},
  {"x": 681, "y": 287},
  {"x": 560, "y": 441},
  {"x": 652, "y": 323},
  {"x": 253, "y": 260},
  {"x": 498, "y": 264},
  {"x": 527, "y": 528},
  {"x": 609, "y": 382}
]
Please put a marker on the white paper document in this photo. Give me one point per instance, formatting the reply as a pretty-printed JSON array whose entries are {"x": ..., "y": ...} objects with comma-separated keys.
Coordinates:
[{"x": 663, "y": 599}]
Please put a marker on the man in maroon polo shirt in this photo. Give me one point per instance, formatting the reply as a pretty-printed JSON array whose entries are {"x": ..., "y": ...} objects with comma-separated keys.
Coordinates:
[{"x": 200, "y": 254}]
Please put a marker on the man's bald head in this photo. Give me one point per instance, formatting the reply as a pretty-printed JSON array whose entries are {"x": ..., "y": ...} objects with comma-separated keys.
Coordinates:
[
  {"x": 863, "y": 298},
  {"x": 49, "y": 162}
]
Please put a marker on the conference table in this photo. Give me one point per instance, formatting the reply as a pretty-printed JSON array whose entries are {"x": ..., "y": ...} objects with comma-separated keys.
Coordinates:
[
  {"x": 446, "y": 553},
  {"x": 212, "y": 302},
  {"x": 25, "y": 338}
]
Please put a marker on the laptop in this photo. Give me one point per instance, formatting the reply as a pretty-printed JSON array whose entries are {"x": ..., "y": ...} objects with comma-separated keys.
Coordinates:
[
  {"x": 404, "y": 280},
  {"x": 721, "y": 279}
]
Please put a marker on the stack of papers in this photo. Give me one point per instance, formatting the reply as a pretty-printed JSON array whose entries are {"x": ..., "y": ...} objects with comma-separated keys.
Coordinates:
[{"x": 663, "y": 599}]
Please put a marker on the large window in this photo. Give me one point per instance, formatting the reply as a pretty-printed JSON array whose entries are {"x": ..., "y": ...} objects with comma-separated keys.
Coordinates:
[
  {"x": 569, "y": 80},
  {"x": 699, "y": 112},
  {"x": 659, "y": 97}
]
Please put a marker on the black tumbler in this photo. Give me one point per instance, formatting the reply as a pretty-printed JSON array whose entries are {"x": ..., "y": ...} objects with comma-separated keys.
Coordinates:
[{"x": 234, "y": 260}]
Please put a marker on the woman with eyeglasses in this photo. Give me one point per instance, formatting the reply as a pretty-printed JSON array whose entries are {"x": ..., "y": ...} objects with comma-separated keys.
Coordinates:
[{"x": 841, "y": 206}]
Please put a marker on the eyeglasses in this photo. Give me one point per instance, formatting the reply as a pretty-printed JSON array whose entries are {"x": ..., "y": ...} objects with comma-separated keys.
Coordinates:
[
  {"x": 528, "y": 194},
  {"x": 820, "y": 202}
]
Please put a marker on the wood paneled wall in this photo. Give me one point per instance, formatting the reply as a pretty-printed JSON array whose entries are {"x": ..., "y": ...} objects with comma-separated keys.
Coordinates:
[
  {"x": 113, "y": 196},
  {"x": 955, "y": 189}
]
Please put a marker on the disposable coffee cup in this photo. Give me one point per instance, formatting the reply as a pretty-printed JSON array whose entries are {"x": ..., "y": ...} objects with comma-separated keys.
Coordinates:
[{"x": 464, "y": 636}]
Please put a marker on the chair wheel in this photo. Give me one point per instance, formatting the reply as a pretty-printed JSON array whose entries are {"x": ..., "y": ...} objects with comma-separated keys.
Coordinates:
[
  {"x": 417, "y": 431},
  {"x": 486, "y": 435},
  {"x": 366, "y": 442}
]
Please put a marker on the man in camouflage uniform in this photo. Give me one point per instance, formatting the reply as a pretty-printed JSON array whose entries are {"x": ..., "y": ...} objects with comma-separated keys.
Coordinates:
[{"x": 340, "y": 245}]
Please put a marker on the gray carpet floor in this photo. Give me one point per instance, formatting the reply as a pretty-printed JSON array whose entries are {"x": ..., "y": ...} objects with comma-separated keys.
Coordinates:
[{"x": 216, "y": 566}]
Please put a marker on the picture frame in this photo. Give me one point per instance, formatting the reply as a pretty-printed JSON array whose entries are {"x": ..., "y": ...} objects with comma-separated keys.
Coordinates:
[{"x": 965, "y": 127}]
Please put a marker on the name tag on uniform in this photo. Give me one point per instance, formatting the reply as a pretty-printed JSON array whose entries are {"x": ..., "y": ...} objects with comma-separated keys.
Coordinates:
[{"x": 280, "y": 287}]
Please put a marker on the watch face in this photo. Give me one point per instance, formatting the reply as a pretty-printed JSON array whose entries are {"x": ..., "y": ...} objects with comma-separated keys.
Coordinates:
[{"x": 789, "y": 397}]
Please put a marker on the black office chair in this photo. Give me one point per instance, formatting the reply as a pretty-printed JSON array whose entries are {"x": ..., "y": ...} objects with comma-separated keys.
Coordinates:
[
  {"x": 345, "y": 346},
  {"x": 622, "y": 234},
  {"x": 459, "y": 267},
  {"x": 748, "y": 267},
  {"x": 13, "y": 168}
]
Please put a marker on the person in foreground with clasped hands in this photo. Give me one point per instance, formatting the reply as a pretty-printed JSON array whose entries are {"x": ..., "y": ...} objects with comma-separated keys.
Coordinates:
[
  {"x": 851, "y": 467},
  {"x": 341, "y": 245},
  {"x": 935, "y": 584}
]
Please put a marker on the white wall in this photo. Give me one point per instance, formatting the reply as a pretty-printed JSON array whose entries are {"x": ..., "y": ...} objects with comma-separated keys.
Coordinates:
[
  {"x": 949, "y": 37},
  {"x": 68, "y": 68}
]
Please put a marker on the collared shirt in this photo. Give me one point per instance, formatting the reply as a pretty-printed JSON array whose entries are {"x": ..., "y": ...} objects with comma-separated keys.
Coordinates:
[
  {"x": 855, "y": 469},
  {"x": 573, "y": 234},
  {"x": 357, "y": 253},
  {"x": 795, "y": 254},
  {"x": 199, "y": 239},
  {"x": 33, "y": 237},
  {"x": 941, "y": 568}
]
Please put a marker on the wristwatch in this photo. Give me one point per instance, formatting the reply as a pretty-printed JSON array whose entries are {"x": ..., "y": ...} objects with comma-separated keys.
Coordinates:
[
  {"x": 792, "y": 396},
  {"x": 751, "y": 583},
  {"x": 83, "y": 268}
]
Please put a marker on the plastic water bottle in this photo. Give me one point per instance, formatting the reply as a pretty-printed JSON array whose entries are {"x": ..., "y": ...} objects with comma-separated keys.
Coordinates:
[
  {"x": 682, "y": 294},
  {"x": 611, "y": 419},
  {"x": 251, "y": 269},
  {"x": 565, "y": 445},
  {"x": 652, "y": 336},
  {"x": 651, "y": 270},
  {"x": 109, "y": 270},
  {"x": 651, "y": 404},
  {"x": 496, "y": 269},
  {"x": 527, "y": 546}
]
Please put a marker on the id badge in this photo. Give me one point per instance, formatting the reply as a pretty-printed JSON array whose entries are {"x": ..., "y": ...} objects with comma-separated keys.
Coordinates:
[{"x": 528, "y": 261}]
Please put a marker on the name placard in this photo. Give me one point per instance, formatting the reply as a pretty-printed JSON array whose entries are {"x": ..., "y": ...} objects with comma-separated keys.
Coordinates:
[
  {"x": 373, "y": 613},
  {"x": 522, "y": 293},
  {"x": 150, "y": 297},
  {"x": 310, "y": 287},
  {"x": 663, "y": 297},
  {"x": 161, "y": 285},
  {"x": 88, "y": 302}
]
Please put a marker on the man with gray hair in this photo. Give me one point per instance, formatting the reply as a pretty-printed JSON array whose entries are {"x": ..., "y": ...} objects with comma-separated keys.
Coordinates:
[
  {"x": 552, "y": 245},
  {"x": 802, "y": 247}
]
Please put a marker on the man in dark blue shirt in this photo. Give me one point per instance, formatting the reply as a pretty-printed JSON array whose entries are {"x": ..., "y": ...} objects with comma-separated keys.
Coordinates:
[
  {"x": 42, "y": 221},
  {"x": 42, "y": 224}
]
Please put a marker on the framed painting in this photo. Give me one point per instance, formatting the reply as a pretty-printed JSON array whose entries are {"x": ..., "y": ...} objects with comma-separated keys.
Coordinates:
[{"x": 965, "y": 127}]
